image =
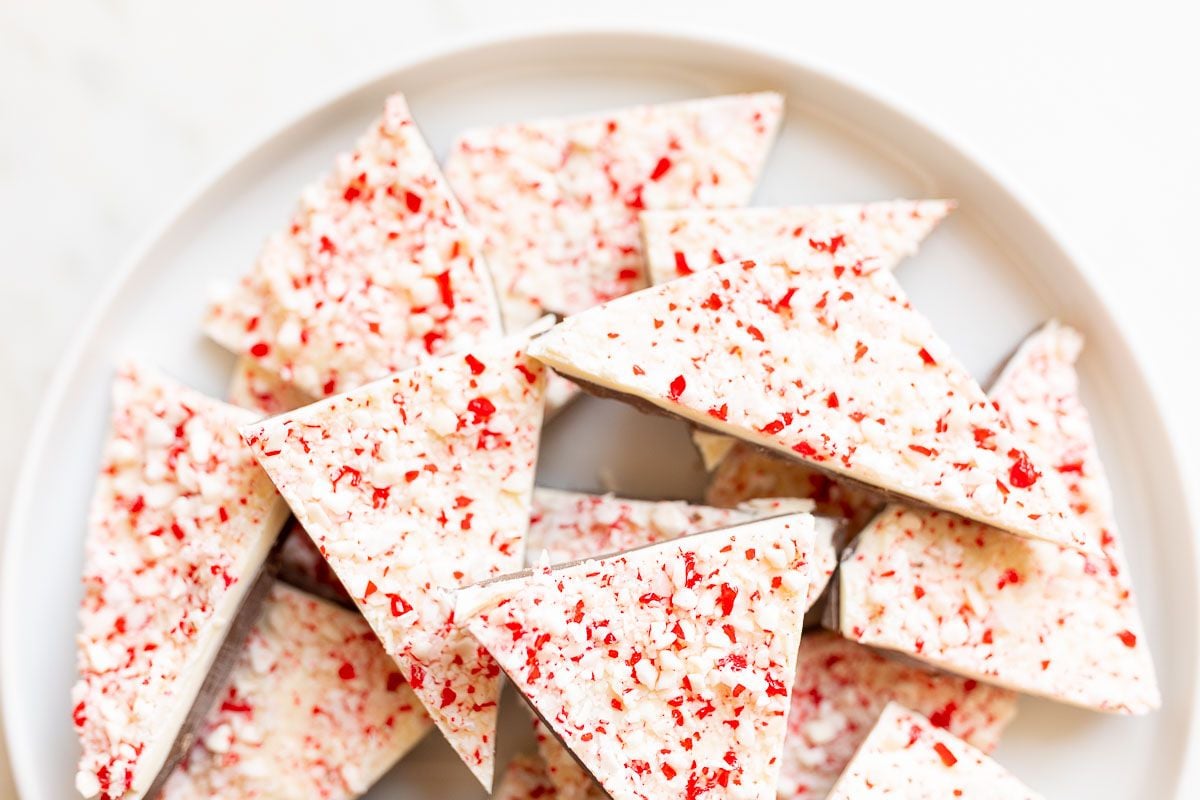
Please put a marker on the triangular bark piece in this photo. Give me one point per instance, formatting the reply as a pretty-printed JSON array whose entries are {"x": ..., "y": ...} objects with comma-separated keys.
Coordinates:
[
  {"x": 411, "y": 486},
  {"x": 181, "y": 520},
  {"x": 825, "y": 361},
  {"x": 1031, "y": 616},
  {"x": 841, "y": 689},
  {"x": 905, "y": 756},
  {"x": 666, "y": 670},
  {"x": 376, "y": 272},
  {"x": 557, "y": 200},
  {"x": 678, "y": 243},
  {"x": 572, "y": 526},
  {"x": 314, "y": 708}
]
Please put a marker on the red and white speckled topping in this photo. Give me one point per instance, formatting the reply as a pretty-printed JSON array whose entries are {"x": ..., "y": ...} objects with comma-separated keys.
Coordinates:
[
  {"x": 558, "y": 200},
  {"x": 678, "y": 243},
  {"x": 1028, "y": 615},
  {"x": 257, "y": 388},
  {"x": 314, "y": 708},
  {"x": 377, "y": 272},
  {"x": 666, "y": 670},
  {"x": 746, "y": 473},
  {"x": 842, "y": 687},
  {"x": 525, "y": 778},
  {"x": 181, "y": 519},
  {"x": 413, "y": 485},
  {"x": 572, "y": 526},
  {"x": 906, "y": 757},
  {"x": 823, "y": 360}
]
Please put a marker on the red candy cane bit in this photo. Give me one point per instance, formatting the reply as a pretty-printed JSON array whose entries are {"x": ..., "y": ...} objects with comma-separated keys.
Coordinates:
[
  {"x": 719, "y": 413},
  {"x": 677, "y": 388},
  {"x": 1128, "y": 638},
  {"x": 944, "y": 753},
  {"x": 726, "y": 599},
  {"x": 681, "y": 265},
  {"x": 346, "y": 671},
  {"x": 482, "y": 408},
  {"x": 412, "y": 201},
  {"x": 474, "y": 363},
  {"x": 928, "y": 359},
  {"x": 260, "y": 349},
  {"x": 1022, "y": 475},
  {"x": 661, "y": 168}
]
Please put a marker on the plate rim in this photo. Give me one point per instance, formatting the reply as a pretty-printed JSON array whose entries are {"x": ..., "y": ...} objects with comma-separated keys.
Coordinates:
[{"x": 53, "y": 397}]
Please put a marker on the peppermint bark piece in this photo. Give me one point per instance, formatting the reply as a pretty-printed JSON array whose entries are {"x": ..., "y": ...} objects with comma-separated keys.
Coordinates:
[
  {"x": 1030, "y": 616},
  {"x": 572, "y": 526},
  {"x": 666, "y": 670},
  {"x": 841, "y": 689},
  {"x": 823, "y": 361},
  {"x": 315, "y": 708},
  {"x": 747, "y": 473},
  {"x": 678, "y": 243},
  {"x": 557, "y": 200},
  {"x": 181, "y": 520},
  {"x": 906, "y": 757},
  {"x": 377, "y": 272},
  {"x": 412, "y": 486}
]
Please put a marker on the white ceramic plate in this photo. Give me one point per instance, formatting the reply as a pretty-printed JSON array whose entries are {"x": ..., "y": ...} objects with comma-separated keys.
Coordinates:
[{"x": 989, "y": 275}]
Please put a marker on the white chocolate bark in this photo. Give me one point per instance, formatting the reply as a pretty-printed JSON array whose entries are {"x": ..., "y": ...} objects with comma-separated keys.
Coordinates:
[
  {"x": 315, "y": 709},
  {"x": 666, "y": 670},
  {"x": 678, "y": 243},
  {"x": 906, "y": 757},
  {"x": 824, "y": 360},
  {"x": 376, "y": 272},
  {"x": 1031, "y": 616},
  {"x": 557, "y": 200},
  {"x": 746, "y": 473},
  {"x": 181, "y": 519},
  {"x": 841, "y": 689},
  {"x": 412, "y": 486},
  {"x": 572, "y": 526}
]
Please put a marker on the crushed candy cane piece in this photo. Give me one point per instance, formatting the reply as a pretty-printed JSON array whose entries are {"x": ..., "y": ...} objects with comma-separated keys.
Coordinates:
[
  {"x": 181, "y": 520},
  {"x": 377, "y": 271},
  {"x": 678, "y": 243},
  {"x": 412, "y": 486},
  {"x": 906, "y": 757},
  {"x": 666, "y": 670},
  {"x": 314, "y": 708},
  {"x": 557, "y": 201},
  {"x": 759, "y": 351},
  {"x": 1031, "y": 616},
  {"x": 841, "y": 689}
]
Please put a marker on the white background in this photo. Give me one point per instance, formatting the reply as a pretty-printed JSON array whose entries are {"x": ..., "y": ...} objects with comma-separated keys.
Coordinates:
[{"x": 111, "y": 111}]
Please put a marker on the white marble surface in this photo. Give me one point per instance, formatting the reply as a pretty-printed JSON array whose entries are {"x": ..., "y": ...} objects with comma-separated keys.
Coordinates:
[{"x": 111, "y": 111}]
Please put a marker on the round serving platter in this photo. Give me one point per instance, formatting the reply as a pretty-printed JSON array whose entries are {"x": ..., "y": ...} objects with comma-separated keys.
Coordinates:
[{"x": 987, "y": 276}]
